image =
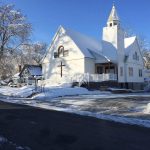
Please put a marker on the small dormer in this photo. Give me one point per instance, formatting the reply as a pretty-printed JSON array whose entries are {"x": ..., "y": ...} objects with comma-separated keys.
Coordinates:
[{"x": 113, "y": 19}]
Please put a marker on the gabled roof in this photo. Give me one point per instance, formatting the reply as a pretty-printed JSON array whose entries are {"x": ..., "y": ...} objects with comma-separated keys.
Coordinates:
[
  {"x": 113, "y": 15},
  {"x": 109, "y": 51},
  {"x": 84, "y": 43},
  {"x": 128, "y": 42},
  {"x": 91, "y": 47},
  {"x": 34, "y": 70}
]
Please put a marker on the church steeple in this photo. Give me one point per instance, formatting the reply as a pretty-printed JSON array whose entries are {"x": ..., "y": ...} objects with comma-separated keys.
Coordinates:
[
  {"x": 113, "y": 19},
  {"x": 113, "y": 33}
]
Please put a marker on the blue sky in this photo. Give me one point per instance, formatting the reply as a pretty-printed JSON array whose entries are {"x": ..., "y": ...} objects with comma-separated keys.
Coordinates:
[{"x": 85, "y": 16}]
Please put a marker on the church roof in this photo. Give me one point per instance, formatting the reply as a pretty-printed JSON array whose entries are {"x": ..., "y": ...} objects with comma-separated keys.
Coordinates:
[
  {"x": 128, "y": 42},
  {"x": 109, "y": 51},
  {"x": 85, "y": 43},
  {"x": 91, "y": 47},
  {"x": 113, "y": 15}
]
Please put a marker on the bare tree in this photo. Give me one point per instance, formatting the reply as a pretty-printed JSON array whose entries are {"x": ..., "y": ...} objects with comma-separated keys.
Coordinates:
[
  {"x": 142, "y": 40},
  {"x": 14, "y": 29},
  {"x": 39, "y": 49},
  {"x": 145, "y": 49},
  {"x": 14, "y": 32},
  {"x": 30, "y": 53}
]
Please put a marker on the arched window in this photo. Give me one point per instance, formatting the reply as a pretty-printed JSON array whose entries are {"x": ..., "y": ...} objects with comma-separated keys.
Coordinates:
[
  {"x": 135, "y": 56},
  {"x": 60, "y": 51}
]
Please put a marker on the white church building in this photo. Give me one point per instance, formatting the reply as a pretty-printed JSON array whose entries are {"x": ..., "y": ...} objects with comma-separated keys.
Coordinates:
[{"x": 74, "y": 57}]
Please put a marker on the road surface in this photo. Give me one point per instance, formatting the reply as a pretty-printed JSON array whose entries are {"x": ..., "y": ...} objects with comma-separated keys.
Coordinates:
[{"x": 28, "y": 128}]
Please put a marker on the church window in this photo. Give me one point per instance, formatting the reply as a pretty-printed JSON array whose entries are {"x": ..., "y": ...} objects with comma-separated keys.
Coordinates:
[
  {"x": 140, "y": 73},
  {"x": 130, "y": 71},
  {"x": 110, "y": 24},
  {"x": 60, "y": 51},
  {"x": 121, "y": 71},
  {"x": 55, "y": 54},
  {"x": 135, "y": 56}
]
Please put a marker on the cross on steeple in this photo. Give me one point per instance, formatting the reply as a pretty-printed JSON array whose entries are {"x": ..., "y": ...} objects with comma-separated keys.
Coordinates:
[{"x": 61, "y": 69}]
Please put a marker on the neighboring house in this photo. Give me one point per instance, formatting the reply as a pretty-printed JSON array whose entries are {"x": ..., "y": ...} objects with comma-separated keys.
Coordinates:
[
  {"x": 74, "y": 57},
  {"x": 30, "y": 74}
]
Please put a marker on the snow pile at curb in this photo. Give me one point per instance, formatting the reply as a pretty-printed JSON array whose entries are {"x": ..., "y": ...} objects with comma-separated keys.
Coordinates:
[
  {"x": 120, "y": 119},
  {"x": 147, "y": 109},
  {"x": 17, "y": 92},
  {"x": 47, "y": 93},
  {"x": 60, "y": 92}
]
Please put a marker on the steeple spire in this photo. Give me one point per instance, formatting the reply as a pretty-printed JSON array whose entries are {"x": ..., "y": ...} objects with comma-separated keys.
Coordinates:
[{"x": 113, "y": 17}]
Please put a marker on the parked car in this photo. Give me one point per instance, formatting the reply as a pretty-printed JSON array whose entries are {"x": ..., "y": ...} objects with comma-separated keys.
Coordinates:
[{"x": 11, "y": 84}]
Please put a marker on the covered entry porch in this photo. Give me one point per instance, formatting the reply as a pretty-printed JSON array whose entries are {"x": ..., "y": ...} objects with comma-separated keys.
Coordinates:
[{"x": 107, "y": 69}]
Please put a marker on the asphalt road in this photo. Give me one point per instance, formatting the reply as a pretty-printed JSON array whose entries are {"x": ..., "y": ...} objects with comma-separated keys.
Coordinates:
[{"x": 29, "y": 128}]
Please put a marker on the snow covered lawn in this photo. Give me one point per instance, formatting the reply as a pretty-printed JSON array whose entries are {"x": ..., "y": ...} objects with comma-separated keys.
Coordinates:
[
  {"x": 54, "y": 92},
  {"x": 48, "y": 92}
]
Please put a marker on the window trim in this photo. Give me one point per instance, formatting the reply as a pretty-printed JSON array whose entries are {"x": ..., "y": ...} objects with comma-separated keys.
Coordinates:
[
  {"x": 135, "y": 56},
  {"x": 131, "y": 74},
  {"x": 121, "y": 71},
  {"x": 140, "y": 73}
]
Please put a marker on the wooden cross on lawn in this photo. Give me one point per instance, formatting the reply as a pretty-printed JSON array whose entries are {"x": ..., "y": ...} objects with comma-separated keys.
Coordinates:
[{"x": 61, "y": 69}]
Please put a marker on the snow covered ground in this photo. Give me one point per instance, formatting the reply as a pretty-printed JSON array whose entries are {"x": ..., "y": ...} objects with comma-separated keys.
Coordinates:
[
  {"x": 46, "y": 93},
  {"x": 17, "y": 92},
  {"x": 133, "y": 108},
  {"x": 54, "y": 92}
]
